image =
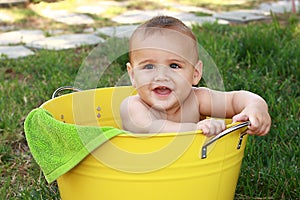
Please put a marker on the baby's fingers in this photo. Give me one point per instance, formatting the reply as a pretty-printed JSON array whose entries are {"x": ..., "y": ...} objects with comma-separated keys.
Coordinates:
[
  {"x": 240, "y": 118},
  {"x": 254, "y": 126},
  {"x": 260, "y": 130},
  {"x": 258, "y": 127},
  {"x": 211, "y": 127}
]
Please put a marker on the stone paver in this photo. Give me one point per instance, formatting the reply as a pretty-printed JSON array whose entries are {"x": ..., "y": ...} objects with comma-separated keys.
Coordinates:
[
  {"x": 66, "y": 17},
  {"x": 91, "y": 9},
  {"x": 139, "y": 16},
  {"x": 14, "y": 52},
  {"x": 279, "y": 7},
  {"x": 117, "y": 31},
  {"x": 65, "y": 41},
  {"x": 136, "y": 16},
  {"x": 113, "y": 3},
  {"x": 20, "y": 36},
  {"x": 9, "y": 2},
  {"x": 241, "y": 16},
  {"x": 187, "y": 9},
  {"x": 6, "y": 28},
  {"x": 190, "y": 20}
]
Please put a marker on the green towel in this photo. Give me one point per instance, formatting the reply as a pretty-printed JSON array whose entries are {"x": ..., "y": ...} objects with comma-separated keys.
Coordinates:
[{"x": 57, "y": 147}]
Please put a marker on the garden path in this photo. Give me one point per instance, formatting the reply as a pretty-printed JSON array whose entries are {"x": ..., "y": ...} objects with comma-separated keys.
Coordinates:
[{"x": 21, "y": 43}]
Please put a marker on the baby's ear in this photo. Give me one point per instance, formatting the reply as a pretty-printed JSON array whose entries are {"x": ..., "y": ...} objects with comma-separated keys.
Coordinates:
[
  {"x": 130, "y": 73},
  {"x": 197, "y": 72}
]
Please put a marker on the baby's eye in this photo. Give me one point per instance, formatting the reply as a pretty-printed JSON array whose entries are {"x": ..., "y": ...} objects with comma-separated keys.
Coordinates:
[
  {"x": 149, "y": 66},
  {"x": 174, "y": 66}
]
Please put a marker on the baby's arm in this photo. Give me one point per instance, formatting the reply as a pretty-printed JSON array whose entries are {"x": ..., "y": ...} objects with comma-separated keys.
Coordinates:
[
  {"x": 138, "y": 118},
  {"x": 252, "y": 107},
  {"x": 238, "y": 105}
]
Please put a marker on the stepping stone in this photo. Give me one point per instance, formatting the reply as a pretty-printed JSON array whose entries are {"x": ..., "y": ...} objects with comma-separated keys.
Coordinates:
[
  {"x": 10, "y": 2},
  {"x": 65, "y": 41},
  {"x": 6, "y": 28},
  {"x": 108, "y": 4},
  {"x": 241, "y": 16},
  {"x": 185, "y": 8},
  {"x": 15, "y": 52},
  {"x": 66, "y": 17},
  {"x": 21, "y": 36},
  {"x": 139, "y": 16},
  {"x": 117, "y": 31},
  {"x": 95, "y": 9},
  {"x": 52, "y": 32},
  {"x": 190, "y": 19},
  {"x": 89, "y": 30},
  {"x": 201, "y": 20},
  {"x": 279, "y": 7}
]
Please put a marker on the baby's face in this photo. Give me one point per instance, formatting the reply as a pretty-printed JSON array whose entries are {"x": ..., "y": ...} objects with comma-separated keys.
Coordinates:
[{"x": 163, "y": 68}]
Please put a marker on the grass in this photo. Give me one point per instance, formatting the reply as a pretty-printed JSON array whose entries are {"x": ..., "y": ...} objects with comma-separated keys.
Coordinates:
[
  {"x": 25, "y": 84},
  {"x": 225, "y": 5},
  {"x": 263, "y": 58}
]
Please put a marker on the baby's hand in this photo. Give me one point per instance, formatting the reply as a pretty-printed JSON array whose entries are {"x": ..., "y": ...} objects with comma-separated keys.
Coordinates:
[
  {"x": 211, "y": 126},
  {"x": 260, "y": 121}
]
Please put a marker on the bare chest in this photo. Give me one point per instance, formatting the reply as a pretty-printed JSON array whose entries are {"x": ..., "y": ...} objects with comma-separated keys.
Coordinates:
[{"x": 187, "y": 113}]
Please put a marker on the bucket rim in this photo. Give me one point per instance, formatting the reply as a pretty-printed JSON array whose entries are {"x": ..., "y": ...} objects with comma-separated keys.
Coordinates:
[{"x": 136, "y": 135}]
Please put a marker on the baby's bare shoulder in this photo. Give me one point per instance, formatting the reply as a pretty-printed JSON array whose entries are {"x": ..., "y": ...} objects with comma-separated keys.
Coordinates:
[
  {"x": 203, "y": 95},
  {"x": 131, "y": 98},
  {"x": 132, "y": 102},
  {"x": 201, "y": 91}
]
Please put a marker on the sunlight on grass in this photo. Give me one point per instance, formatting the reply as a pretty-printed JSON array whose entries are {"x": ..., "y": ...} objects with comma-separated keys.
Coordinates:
[
  {"x": 18, "y": 14},
  {"x": 216, "y": 2},
  {"x": 59, "y": 5},
  {"x": 114, "y": 11}
]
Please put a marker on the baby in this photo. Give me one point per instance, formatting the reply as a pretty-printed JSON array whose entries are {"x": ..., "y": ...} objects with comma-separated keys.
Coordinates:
[{"x": 163, "y": 67}]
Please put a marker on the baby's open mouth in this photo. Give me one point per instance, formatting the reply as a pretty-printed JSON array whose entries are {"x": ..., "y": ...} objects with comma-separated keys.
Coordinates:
[{"x": 162, "y": 90}]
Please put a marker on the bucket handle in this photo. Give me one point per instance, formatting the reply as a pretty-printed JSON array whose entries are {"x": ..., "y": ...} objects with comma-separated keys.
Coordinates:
[
  {"x": 222, "y": 134},
  {"x": 64, "y": 88}
]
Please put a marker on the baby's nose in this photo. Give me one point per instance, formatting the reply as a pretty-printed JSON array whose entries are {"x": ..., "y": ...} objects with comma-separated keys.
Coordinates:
[{"x": 162, "y": 74}]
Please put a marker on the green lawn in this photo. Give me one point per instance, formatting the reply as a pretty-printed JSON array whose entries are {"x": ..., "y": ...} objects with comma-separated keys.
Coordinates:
[{"x": 263, "y": 58}]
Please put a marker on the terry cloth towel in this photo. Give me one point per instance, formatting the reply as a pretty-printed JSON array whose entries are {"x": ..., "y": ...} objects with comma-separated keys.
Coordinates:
[{"x": 57, "y": 147}]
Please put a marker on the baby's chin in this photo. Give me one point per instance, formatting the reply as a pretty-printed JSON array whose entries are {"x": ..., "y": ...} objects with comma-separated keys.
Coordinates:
[{"x": 163, "y": 107}]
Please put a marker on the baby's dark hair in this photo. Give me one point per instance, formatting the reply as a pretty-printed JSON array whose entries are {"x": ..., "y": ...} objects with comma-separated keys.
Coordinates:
[
  {"x": 160, "y": 23},
  {"x": 167, "y": 22}
]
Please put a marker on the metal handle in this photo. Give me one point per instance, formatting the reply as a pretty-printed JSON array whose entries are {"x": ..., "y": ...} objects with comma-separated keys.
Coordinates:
[
  {"x": 64, "y": 88},
  {"x": 222, "y": 134}
]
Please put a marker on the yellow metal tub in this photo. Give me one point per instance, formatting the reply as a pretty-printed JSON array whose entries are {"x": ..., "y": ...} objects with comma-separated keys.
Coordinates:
[{"x": 175, "y": 166}]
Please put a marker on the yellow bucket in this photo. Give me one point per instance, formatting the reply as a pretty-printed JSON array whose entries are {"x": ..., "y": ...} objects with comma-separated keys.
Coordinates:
[{"x": 142, "y": 166}]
